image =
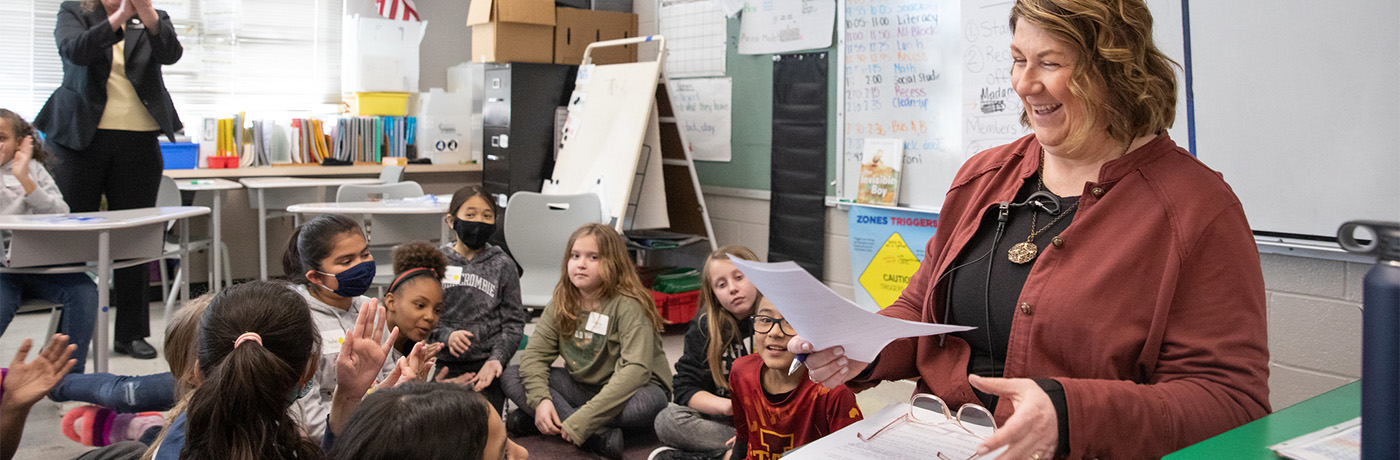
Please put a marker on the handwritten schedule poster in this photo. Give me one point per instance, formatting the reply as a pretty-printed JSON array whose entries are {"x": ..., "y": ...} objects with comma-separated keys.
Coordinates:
[
  {"x": 904, "y": 80},
  {"x": 702, "y": 110},
  {"x": 991, "y": 108}
]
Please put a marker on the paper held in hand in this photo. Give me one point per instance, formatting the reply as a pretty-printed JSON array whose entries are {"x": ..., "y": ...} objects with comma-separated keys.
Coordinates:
[{"x": 826, "y": 319}]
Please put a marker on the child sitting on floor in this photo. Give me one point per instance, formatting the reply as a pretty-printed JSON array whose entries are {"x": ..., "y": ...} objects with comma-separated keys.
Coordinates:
[{"x": 775, "y": 412}]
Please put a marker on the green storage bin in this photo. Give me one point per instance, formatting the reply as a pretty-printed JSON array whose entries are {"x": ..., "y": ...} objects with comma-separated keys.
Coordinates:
[{"x": 677, "y": 281}]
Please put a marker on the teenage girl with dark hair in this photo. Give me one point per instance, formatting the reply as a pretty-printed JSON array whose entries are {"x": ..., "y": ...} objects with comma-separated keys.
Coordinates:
[
  {"x": 329, "y": 259},
  {"x": 257, "y": 353},
  {"x": 483, "y": 321},
  {"x": 426, "y": 421},
  {"x": 27, "y": 188}
]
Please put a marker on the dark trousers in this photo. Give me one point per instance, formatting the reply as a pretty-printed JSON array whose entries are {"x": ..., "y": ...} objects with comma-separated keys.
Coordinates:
[
  {"x": 492, "y": 392},
  {"x": 124, "y": 166}
]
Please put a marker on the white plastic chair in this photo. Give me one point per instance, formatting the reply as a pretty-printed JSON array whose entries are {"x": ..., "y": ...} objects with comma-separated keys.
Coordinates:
[
  {"x": 391, "y": 174},
  {"x": 388, "y": 231},
  {"x": 169, "y": 195},
  {"x": 537, "y": 227}
]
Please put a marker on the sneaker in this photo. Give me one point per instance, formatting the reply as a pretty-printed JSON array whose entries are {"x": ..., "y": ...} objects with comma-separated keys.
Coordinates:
[
  {"x": 519, "y": 424},
  {"x": 671, "y": 453},
  {"x": 606, "y": 443}
]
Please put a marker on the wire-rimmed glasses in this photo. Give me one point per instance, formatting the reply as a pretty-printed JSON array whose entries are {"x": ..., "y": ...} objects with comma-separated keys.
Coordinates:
[{"x": 928, "y": 409}]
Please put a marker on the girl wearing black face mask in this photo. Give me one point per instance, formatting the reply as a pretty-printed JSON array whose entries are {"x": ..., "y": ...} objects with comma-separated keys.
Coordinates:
[
  {"x": 482, "y": 320},
  {"x": 329, "y": 259}
]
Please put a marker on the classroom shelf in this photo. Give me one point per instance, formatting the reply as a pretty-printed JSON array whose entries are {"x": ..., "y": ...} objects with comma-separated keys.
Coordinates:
[{"x": 311, "y": 171}]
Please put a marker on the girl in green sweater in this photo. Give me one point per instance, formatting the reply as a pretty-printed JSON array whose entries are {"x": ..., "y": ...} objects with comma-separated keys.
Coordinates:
[{"x": 603, "y": 323}]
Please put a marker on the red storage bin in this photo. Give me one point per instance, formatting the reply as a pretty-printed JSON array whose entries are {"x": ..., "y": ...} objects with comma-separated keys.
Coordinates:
[{"x": 676, "y": 308}]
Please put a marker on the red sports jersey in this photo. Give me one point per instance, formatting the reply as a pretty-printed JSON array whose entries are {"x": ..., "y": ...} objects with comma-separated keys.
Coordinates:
[{"x": 770, "y": 430}]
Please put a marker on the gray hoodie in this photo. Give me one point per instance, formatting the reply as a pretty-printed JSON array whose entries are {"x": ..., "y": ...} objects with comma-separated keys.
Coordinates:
[
  {"x": 311, "y": 410},
  {"x": 46, "y": 198},
  {"x": 481, "y": 296}
]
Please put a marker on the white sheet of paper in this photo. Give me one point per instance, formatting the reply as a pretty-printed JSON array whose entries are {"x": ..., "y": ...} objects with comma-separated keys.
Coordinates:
[
  {"x": 826, "y": 319},
  {"x": 702, "y": 107},
  {"x": 770, "y": 27},
  {"x": 904, "y": 441}
]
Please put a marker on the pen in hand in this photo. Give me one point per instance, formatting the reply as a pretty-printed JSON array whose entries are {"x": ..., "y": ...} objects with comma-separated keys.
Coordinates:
[{"x": 797, "y": 362}]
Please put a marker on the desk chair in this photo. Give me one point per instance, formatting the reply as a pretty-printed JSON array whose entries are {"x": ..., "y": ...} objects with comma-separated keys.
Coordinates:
[
  {"x": 56, "y": 312},
  {"x": 391, "y": 174},
  {"x": 537, "y": 227},
  {"x": 389, "y": 231},
  {"x": 169, "y": 195}
]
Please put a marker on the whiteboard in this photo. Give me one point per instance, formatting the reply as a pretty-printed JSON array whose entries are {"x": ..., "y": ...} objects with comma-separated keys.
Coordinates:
[
  {"x": 976, "y": 108},
  {"x": 1301, "y": 111},
  {"x": 608, "y": 119}
]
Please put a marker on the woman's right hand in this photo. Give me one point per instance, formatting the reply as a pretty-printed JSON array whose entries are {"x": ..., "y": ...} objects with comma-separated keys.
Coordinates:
[
  {"x": 123, "y": 13},
  {"x": 829, "y": 367},
  {"x": 547, "y": 420},
  {"x": 459, "y": 342}
]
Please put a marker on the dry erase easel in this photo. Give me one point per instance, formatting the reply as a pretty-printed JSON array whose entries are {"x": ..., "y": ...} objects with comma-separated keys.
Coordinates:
[{"x": 612, "y": 124}]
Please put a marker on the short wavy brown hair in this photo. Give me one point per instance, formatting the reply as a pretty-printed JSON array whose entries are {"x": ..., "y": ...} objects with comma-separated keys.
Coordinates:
[{"x": 1116, "y": 53}]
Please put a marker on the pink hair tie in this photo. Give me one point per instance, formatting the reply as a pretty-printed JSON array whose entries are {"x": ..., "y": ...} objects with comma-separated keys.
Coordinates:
[{"x": 246, "y": 337}]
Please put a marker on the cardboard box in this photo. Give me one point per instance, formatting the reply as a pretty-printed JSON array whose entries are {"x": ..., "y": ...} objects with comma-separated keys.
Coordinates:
[
  {"x": 575, "y": 29},
  {"x": 512, "y": 30}
]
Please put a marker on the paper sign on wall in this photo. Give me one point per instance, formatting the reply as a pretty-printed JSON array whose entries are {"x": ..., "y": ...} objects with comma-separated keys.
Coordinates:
[
  {"x": 702, "y": 107},
  {"x": 887, "y": 246},
  {"x": 773, "y": 26}
]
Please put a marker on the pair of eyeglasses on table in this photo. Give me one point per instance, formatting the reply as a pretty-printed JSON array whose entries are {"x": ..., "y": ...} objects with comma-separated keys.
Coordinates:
[{"x": 927, "y": 409}]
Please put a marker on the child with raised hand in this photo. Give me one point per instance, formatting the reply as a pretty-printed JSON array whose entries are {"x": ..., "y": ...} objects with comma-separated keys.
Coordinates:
[
  {"x": 698, "y": 424},
  {"x": 257, "y": 353},
  {"x": 27, "y": 188},
  {"x": 775, "y": 412},
  {"x": 414, "y": 299},
  {"x": 329, "y": 259},
  {"x": 603, "y": 323},
  {"x": 24, "y": 383},
  {"x": 483, "y": 320}
]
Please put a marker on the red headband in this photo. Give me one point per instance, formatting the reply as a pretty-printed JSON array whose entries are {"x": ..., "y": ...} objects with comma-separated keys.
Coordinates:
[{"x": 405, "y": 275}]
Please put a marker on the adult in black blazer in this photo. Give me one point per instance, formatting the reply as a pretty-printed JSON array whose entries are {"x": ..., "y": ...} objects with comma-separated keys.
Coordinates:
[{"x": 113, "y": 149}]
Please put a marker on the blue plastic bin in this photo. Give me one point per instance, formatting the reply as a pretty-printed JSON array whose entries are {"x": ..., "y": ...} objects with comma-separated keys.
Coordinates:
[{"x": 180, "y": 155}]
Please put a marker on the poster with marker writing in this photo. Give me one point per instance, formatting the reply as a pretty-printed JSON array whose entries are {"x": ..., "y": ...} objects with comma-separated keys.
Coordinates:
[{"x": 702, "y": 108}]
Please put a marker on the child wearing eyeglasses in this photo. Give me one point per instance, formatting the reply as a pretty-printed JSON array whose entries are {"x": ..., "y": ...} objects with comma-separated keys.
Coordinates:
[{"x": 775, "y": 412}]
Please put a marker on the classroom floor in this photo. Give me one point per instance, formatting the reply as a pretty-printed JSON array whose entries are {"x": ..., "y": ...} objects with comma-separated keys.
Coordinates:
[{"x": 44, "y": 440}]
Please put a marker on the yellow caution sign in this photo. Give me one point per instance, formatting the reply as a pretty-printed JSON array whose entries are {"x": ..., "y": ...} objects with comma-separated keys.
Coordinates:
[{"x": 889, "y": 272}]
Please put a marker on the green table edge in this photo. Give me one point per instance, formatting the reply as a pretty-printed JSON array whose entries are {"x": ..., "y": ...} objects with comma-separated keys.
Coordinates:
[{"x": 1252, "y": 440}]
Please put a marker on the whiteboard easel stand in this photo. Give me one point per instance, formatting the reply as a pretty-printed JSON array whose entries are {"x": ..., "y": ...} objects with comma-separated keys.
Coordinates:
[{"x": 689, "y": 161}]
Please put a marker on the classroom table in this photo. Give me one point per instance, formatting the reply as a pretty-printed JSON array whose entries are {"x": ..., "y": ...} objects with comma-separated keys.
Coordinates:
[
  {"x": 66, "y": 238},
  {"x": 1252, "y": 440},
  {"x": 280, "y": 192},
  {"x": 428, "y": 205},
  {"x": 218, "y": 187}
]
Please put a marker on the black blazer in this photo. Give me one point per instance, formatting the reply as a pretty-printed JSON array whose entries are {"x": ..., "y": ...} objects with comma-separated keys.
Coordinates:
[{"x": 85, "y": 41}]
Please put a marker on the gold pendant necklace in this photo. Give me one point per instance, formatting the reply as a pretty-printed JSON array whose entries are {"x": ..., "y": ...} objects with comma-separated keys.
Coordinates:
[{"x": 1026, "y": 251}]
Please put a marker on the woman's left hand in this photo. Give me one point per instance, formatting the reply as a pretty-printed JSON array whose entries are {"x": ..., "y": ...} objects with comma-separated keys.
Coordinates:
[
  {"x": 487, "y": 374},
  {"x": 1033, "y": 431}
]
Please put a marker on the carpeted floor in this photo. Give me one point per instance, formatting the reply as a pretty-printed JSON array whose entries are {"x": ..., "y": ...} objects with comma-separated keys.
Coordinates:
[{"x": 639, "y": 446}]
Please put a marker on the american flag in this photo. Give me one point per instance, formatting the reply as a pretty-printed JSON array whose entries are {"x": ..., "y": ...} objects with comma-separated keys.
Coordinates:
[{"x": 397, "y": 9}]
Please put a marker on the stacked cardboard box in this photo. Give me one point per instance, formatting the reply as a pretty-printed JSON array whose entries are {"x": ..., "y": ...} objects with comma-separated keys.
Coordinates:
[{"x": 535, "y": 31}]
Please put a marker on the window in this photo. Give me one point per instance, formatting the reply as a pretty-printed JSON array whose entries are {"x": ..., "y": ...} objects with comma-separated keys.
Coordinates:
[{"x": 262, "y": 56}]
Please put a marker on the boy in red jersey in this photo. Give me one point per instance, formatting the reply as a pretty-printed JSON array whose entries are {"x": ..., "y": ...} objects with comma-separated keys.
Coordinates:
[{"x": 775, "y": 412}]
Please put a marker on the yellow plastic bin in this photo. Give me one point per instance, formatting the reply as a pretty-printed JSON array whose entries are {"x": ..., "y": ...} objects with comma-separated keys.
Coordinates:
[{"x": 378, "y": 103}]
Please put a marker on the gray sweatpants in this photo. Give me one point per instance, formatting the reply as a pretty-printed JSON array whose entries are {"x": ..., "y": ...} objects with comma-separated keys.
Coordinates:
[
  {"x": 690, "y": 430},
  {"x": 568, "y": 395}
]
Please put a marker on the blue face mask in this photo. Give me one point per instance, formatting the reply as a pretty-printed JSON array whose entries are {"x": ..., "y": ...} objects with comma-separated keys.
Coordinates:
[
  {"x": 355, "y": 281},
  {"x": 301, "y": 392}
]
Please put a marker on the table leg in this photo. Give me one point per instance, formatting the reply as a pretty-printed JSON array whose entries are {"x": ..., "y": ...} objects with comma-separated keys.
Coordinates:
[
  {"x": 218, "y": 241},
  {"x": 262, "y": 234},
  {"x": 185, "y": 260},
  {"x": 100, "y": 343},
  {"x": 442, "y": 238}
]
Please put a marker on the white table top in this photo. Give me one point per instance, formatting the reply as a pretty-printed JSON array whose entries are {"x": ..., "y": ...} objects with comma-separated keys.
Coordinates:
[
  {"x": 293, "y": 182},
  {"x": 103, "y": 220},
  {"x": 436, "y": 205},
  {"x": 190, "y": 185}
]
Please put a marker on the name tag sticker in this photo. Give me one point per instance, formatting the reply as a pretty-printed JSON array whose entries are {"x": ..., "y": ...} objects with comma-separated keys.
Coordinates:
[
  {"x": 331, "y": 341},
  {"x": 597, "y": 323},
  {"x": 11, "y": 181},
  {"x": 453, "y": 275}
]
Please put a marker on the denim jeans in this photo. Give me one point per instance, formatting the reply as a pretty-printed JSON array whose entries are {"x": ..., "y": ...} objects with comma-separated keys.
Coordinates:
[
  {"x": 75, "y": 291},
  {"x": 121, "y": 393}
]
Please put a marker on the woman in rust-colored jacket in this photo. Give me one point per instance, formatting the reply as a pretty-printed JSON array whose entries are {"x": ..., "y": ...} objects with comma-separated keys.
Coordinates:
[{"x": 1121, "y": 312}]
